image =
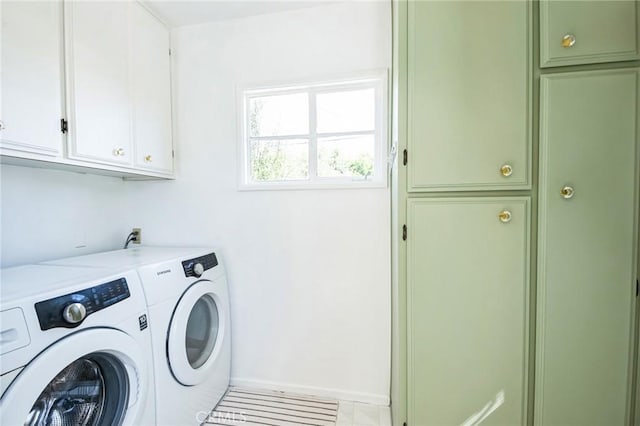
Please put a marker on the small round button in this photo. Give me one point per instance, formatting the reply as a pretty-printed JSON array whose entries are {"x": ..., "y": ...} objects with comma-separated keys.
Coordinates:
[
  {"x": 198, "y": 270},
  {"x": 74, "y": 313}
]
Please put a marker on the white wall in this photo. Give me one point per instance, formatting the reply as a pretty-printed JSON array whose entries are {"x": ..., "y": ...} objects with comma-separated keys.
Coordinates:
[
  {"x": 308, "y": 270},
  {"x": 48, "y": 214}
]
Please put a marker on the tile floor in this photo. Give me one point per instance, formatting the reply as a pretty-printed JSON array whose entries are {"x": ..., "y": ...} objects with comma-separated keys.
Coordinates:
[{"x": 357, "y": 414}]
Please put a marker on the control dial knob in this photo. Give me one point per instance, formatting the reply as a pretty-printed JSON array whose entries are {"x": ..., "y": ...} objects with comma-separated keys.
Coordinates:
[
  {"x": 198, "y": 270},
  {"x": 73, "y": 313}
]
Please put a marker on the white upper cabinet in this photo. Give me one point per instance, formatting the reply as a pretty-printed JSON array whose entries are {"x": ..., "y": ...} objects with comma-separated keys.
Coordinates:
[
  {"x": 113, "y": 59},
  {"x": 31, "y": 78},
  {"x": 98, "y": 81},
  {"x": 151, "y": 90},
  {"x": 118, "y": 85}
]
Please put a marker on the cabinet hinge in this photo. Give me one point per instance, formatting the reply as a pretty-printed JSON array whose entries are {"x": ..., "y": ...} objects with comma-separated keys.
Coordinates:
[
  {"x": 405, "y": 157},
  {"x": 169, "y": 52},
  {"x": 64, "y": 126},
  {"x": 173, "y": 154},
  {"x": 637, "y": 285},
  {"x": 404, "y": 232}
]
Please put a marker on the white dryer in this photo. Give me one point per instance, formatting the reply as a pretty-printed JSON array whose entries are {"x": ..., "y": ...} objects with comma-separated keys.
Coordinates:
[
  {"x": 188, "y": 302},
  {"x": 74, "y": 347}
]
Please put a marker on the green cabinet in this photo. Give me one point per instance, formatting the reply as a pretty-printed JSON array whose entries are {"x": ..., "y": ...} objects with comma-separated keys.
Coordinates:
[
  {"x": 467, "y": 284},
  {"x": 468, "y": 95},
  {"x": 585, "y": 32},
  {"x": 465, "y": 81},
  {"x": 588, "y": 201}
]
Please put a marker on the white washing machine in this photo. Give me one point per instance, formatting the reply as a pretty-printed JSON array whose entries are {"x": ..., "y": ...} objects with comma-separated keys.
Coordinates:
[
  {"x": 188, "y": 302},
  {"x": 75, "y": 348}
]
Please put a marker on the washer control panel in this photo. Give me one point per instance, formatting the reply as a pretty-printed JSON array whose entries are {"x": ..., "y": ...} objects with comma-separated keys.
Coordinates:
[
  {"x": 70, "y": 310},
  {"x": 196, "y": 267}
]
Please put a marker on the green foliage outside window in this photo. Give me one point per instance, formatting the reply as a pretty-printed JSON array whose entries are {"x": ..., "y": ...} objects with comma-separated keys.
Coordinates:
[{"x": 273, "y": 160}]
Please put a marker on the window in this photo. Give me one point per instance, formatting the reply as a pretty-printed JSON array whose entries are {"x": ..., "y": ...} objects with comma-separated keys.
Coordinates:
[{"x": 329, "y": 134}]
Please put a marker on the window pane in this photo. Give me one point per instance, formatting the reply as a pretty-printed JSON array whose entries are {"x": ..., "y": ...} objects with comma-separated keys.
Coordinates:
[
  {"x": 273, "y": 160},
  {"x": 346, "y": 111},
  {"x": 346, "y": 156},
  {"x": 279, "y": 115}
]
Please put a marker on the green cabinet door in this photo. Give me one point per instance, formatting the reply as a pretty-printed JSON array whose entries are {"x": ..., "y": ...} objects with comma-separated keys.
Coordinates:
[
  {"x": 586, "y": 32},
  {"x": 468, "y": 95},
  {"x": 467, "y": 277},
  {"x": 588, "y": 200}
]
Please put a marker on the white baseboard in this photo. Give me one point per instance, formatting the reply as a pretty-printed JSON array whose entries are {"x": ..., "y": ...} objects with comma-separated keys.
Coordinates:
[{"x": 343, "y": 395}]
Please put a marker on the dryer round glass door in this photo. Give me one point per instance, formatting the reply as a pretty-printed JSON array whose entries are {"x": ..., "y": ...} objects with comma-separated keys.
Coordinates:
[
  {"x": 195, "y": 333},
  {"x": 202, "y": 331},
  {"x": 96, "y": 376}
]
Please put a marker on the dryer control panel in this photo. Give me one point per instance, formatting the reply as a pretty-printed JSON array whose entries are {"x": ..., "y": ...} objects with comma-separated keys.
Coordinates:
[
  {"x": 195, "y": 267},
  {"x": 70, "y": 310}
]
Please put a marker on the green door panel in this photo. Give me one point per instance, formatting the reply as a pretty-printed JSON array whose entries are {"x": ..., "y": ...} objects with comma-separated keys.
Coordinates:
[
  {"x": 468, "y": 95},
  {"x": 467, "y": 283},
  {"x": 603, "y": 30},
  {"x": 586, "y": 247}
]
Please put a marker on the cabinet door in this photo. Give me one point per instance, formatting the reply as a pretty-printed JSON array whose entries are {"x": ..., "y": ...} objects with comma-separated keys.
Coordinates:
[
  {"x": 469, "y": 95},
  {"x": 31, "y": 77},
  {"x": 585, "y": 32},
  {"x": 98, "y": 35},
  {"x": 151, "y": 92},
  {"x": 468, "y": 276},
  {"x": 586, "y": 247}
]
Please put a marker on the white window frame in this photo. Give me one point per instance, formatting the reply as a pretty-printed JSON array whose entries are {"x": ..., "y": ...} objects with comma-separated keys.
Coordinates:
[{"x": 377, "y": 80}]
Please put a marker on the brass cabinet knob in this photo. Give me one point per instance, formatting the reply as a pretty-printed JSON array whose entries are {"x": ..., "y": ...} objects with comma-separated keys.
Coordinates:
[
  {"x": 567, "y": 192},
  {"x": 506, "y": 170},
  {"x": 505, "y": 216},
  {"x": 118, "y": 152},
  {"x": 147, "y": 158},
  {"x": 568, "y": 40}
]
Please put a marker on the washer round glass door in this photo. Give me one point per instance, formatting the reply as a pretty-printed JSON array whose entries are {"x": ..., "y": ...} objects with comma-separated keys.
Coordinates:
[
  {"x": 92, "y": 390},
  {"x": 93, "y": 377},
  {"x": 195, "y": 329}
]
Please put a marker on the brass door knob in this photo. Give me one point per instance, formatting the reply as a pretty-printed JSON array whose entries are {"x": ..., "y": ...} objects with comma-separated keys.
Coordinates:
[
  {"x": 506, "y": 170},
  {"x": 567, "y": 192},
  {"x": 568, "y": 40},
  {"x": 505, "y": 216},
  {"x": 147, "y": 158},
  {"x": 118, "y": 152}
]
